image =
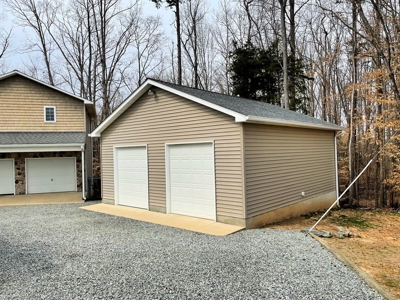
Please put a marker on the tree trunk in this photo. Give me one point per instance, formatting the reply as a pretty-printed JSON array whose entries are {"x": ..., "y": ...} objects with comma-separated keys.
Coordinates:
[
  {"x": 178, "y": 42},
  {"x": 284, "y": 54},
  {"x": 353, "y": 107}
]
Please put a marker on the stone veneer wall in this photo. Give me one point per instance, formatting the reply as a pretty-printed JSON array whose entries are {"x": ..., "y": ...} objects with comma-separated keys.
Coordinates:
[{"x": 19, "y": 162}]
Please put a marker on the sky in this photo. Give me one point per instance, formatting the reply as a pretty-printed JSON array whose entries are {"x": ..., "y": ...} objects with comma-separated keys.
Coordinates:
[{"x": 16, "y": 57}]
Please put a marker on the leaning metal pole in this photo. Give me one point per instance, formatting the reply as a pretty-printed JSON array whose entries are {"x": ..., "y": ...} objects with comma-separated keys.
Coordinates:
[{"x": 337, "y": 200}]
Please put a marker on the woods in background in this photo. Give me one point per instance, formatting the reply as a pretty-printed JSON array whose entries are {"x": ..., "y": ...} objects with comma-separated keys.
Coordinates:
[{"x": 333, "y": 60}]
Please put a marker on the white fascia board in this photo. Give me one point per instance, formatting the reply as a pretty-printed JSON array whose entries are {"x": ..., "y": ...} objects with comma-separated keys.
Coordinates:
[
  {"x": 40, "y": 148},
  {"x": 269, "y": 121},
  {"x": 45, "y": 84},
  {"x": 143, "y": 89},
  {"x": 121, "y": 109}
]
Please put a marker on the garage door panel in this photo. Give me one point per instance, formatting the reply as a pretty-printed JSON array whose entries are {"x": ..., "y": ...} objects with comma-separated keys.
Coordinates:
[
  {"x": 191, "y": 180},
  {"x": 132, "y": 176},
  {"x": 7, "y": 176},
  {"x": 46, "y": 175}
]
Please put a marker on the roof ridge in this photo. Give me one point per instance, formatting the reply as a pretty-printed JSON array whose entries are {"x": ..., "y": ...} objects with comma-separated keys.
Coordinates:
[{"x": 207, "y": 91}]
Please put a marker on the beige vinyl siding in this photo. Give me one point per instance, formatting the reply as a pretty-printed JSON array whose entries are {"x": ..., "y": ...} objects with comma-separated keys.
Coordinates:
[
  {"x": 167, "y": 118},
  {"x": 22, "y": 103},
  {"x": 283, "y": 162}
]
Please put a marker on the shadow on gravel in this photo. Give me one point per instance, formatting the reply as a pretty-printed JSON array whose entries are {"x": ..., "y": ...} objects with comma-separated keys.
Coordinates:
[{"x": 23, "y": 259}]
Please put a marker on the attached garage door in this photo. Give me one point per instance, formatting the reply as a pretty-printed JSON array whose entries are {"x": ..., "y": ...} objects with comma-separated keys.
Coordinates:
[
  {"x": 131, "y": 182},
  {"x": 6, "y": 176},
  {"x": 191, "y": 180},
  {"x": 47, "y": 175}
]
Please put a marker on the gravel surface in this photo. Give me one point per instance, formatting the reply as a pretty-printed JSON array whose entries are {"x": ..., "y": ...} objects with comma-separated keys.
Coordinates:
[{"x": 63, "y": 252}]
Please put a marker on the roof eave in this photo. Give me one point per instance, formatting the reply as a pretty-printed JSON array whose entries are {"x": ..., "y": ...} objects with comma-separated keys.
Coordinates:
[
  {"x": 91, "y": 109},
  {"x": 277, "y": 122}
]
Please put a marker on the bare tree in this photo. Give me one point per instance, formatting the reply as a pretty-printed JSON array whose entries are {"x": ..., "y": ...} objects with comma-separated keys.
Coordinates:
[
  {"x": 175, "y": 4},
  {"x": 34, "y": 15},
  {"x": 284, "y": 54},
  {"x": 5, "y": 37},
  {"x": 147, "y": 40}
]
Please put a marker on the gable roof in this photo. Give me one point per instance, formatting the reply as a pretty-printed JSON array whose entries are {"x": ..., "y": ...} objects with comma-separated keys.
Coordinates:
[
  {"x": 243, "y": 110},
  {"x": 88, "y": 104}
]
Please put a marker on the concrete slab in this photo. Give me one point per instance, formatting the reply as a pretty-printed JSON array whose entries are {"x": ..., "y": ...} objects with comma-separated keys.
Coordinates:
[
  {"x": 49, "y": 198},
  {"x": 183, "y": 222}
]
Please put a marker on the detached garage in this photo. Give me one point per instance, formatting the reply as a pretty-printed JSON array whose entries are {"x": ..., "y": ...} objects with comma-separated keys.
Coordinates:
[{"x": 175, "y": 149}]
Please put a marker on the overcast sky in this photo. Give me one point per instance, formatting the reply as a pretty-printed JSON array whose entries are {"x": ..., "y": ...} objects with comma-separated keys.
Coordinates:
[{"x": 16, "y": 56}]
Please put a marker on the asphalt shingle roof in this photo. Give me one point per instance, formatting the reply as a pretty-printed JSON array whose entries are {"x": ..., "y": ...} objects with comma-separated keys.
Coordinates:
[
  {"x": 26, "y": 138},
  {"x": 249, "y": 107}
]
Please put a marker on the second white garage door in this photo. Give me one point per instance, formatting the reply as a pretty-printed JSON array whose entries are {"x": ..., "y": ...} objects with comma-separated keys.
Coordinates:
[
  {"x": 6, "y": 176},
  {"x": 48, "y": 175},
  {"x": 191, "y": 180},
  {"x": 131, "y": 180}
]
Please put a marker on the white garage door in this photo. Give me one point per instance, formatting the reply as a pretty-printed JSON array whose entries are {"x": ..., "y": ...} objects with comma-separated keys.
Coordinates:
[
  {"x": 6, "y": 176},
  {"x": 192, "y": 180},
  {"x": 47, "y": 175},
  {"x": 131, "y": 182}
]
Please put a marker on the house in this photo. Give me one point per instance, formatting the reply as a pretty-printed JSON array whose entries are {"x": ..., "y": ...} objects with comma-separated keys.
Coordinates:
[
  {"x": 175, "y": 149},
  {"x": 44, "y": 142}
]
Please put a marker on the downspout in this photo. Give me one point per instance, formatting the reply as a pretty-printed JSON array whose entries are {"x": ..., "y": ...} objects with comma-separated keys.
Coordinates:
[
  {"x": 83, "y": 172},
  {"x": 336, "y": 170}
]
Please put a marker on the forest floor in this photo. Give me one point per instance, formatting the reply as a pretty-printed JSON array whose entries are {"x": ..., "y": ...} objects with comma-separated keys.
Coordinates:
[{"x": 374, "y": 247}]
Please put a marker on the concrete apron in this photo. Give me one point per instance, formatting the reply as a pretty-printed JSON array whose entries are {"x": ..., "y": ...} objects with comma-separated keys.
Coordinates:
[
  {"x": 183, "y": 222},
  {"x": 49, "y": 198}
]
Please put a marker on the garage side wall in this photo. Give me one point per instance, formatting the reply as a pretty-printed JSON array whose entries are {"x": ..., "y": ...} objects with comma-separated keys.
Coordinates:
[
  {"x": 284, "y": 162},
  {"x": 166, "y": 118}
]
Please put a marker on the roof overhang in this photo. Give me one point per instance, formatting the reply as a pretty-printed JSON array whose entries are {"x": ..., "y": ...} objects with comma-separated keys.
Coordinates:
[
  {"x": 41, "y": 148},
  {"x": 277, "y": 122},
  {"x": 91, "y": 109},
  {"x": 149, "y": 83}
]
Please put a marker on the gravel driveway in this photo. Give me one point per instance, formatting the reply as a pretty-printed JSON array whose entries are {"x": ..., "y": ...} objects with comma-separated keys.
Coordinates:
[{"x": 63, "y": 252}]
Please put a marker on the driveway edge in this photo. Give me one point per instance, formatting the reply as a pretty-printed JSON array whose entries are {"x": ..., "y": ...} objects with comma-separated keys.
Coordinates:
[{"x": 348, "y": 262}]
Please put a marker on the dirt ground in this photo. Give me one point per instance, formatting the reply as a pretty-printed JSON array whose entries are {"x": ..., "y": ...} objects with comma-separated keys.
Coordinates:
[{"x": 375, "y": 246}]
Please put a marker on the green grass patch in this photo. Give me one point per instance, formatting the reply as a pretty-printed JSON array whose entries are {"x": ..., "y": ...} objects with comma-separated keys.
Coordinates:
[
  {"x": 357, "y": 221},
  {"x": 390, "y": 281}
]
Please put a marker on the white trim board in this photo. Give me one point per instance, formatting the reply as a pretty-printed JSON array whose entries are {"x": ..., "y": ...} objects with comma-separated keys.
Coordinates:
[{"x": 40, "y": 148}]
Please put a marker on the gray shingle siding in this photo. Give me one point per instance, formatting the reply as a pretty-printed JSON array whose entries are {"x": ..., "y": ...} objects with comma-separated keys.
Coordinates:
[{"x": 26, "y": 138}]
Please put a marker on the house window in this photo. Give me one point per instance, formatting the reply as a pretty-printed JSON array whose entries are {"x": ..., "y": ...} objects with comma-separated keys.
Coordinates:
[{"x": 50, "y": 114}]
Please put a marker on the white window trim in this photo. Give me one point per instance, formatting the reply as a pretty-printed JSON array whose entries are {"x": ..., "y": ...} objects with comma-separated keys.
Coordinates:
[{"x": 55, "y": 114}]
